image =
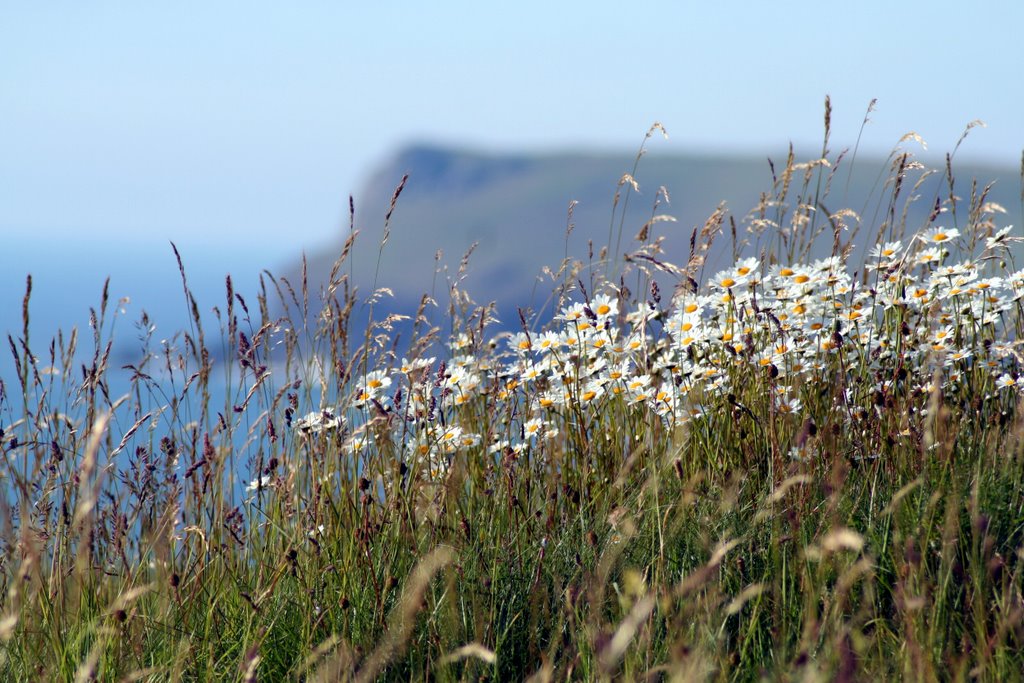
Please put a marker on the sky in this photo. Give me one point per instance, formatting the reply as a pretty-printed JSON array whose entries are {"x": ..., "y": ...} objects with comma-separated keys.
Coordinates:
[{"x": 246, "y": 126}]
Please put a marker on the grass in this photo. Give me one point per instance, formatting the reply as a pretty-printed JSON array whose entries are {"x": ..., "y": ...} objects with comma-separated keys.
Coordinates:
[{"x": 793, "y": 468}]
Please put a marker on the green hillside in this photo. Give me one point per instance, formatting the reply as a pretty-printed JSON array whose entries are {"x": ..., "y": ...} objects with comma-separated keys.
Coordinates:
[{"x": 515, "y": 209}]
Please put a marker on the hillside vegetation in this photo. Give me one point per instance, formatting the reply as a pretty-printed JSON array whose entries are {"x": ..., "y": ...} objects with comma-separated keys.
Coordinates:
[{"x": 805, "y": 463}]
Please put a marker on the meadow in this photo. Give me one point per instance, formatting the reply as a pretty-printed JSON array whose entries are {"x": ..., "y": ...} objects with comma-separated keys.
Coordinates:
[{"x": 798, "y": 467}]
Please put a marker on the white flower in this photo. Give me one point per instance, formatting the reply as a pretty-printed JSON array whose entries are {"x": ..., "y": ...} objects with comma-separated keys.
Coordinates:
[
  {"x": 410, "y": 366},
  {"x": 1004, "y": 381},
  {"x": 318, "y": 421},
  {"x": 520, "y": 343},
  {"x": 258, "y": 484},
  {"x": 748, "y": 268},
  {"x": 1001, "y": 238},
  {"x": 790, "y": 406},
  {"x": 372, "y": 386},
  {"x": 573, "y": 312},
  {"x": 932, "y": 255},
  {"x": 603, "y": 306},
  {"x": 533, "y": 427},
  {"x": 939, "y": 235},
  {"x": 591, "y": 392},
  {"x": 887, "y": 251},
  {"x": 802, "y": 454},
  {"x": 463, "y": 341},
  {"x": 449, "y": 440}
]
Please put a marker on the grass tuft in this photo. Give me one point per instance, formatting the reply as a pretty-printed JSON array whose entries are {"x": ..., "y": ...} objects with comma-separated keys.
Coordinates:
[{"x": 807, "y": 465}]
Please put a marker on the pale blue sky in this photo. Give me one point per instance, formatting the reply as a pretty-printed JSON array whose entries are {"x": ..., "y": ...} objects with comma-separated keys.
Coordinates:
[{"x": 251, "y": 122}]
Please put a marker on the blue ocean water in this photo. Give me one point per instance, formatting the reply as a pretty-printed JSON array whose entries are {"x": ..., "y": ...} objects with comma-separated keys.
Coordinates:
[{"x": 68, "y": 279}]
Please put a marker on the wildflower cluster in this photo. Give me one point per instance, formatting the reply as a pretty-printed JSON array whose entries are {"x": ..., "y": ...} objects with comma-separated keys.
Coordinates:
[{"x": 913, "y": 323}]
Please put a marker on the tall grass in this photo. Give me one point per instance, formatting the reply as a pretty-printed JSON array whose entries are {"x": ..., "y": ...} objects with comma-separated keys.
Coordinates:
[{"x": 797, "y": 467}]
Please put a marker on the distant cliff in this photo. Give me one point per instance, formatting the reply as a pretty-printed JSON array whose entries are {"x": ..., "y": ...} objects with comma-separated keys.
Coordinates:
[{"x": 514, "y": 207}]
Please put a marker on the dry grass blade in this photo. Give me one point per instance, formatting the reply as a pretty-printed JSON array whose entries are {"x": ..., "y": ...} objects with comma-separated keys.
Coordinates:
[
  {"x": 835, "y": 541},
  {"x": 746, "y": 595},
  {"x": 128, "y": 434},
  {"x": 626, "y": 632},
  {"x": 7, "y": 625},
  {"x": 88, "y": 490},
  {"x": 471, "y": 650},
  {"x": 87, "y": 670}
]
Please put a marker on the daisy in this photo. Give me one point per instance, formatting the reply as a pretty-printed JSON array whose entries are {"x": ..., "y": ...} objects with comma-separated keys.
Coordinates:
[
  {"x": 356, "y": 444},
  {"x": 450, "y": 435},
  {"x": 939, "y": 235},
  {"x": 728, "y": 279},
  {"x": 748, "y": 268},
  {"x": 1001, "y": 238},
  {"x": 590, "y": 393},
  {"x": 790, "y": 406},
  {"x": 604, "y": 306},
  {"x": 1004, "y": 381},
  {"x": 533, "y": 427},
  {"x": 573, "y": 312},
  {"x": 317, "y": 422},
  {"x": 693, "y": 305},
  {"x": 461, "y": 342},
  {"x": 520, "y": 343},
  {"x": 886, "y": 251},
  {"x": 410, "y": 366},
  {"x": 932, "y": 255},
  {"x": 258, "y": 484},
  {"x": 955, "y": 355}
]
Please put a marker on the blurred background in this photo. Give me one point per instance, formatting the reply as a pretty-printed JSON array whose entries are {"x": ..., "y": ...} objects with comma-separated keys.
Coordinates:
[{"x": 239, "y": 131}]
